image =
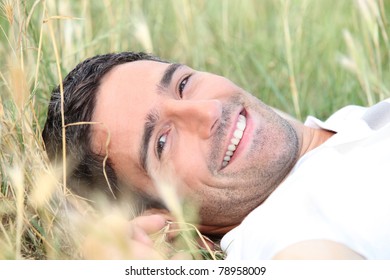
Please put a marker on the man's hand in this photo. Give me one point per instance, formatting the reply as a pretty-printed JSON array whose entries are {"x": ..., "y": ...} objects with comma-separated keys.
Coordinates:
[{"x": 116, "y": 238}]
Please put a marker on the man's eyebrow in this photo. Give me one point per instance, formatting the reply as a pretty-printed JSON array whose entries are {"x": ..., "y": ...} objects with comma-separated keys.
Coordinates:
[
  {"x": 168, "y": 74},
  {"x": 149, "y": 126}
]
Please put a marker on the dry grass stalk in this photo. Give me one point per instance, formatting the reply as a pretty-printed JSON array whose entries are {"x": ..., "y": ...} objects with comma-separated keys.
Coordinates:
[{"x": 7, "y": 8}]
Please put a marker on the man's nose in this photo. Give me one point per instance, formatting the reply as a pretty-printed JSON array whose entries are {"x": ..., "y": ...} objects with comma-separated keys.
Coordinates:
[{"x": 198, "y": 116}]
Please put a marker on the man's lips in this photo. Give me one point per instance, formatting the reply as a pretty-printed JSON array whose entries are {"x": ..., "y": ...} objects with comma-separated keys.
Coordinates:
[{"x": 235, "y": 139}]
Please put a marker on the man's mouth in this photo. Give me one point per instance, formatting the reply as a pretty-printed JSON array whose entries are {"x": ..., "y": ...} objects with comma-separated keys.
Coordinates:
[{"x": 235, "y": 140}]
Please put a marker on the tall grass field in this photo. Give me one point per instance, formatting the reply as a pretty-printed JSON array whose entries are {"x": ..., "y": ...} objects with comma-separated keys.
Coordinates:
[{"x": 305, "y": 57}]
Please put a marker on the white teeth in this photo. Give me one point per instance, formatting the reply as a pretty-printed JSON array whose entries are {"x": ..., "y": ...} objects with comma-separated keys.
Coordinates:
[
  {"x": 229, "y": 153},
  {"x": 237, "y": 135},
  {"x": 232, "y": 147},
  {"x": 235, "y": 141},
  {"x": 241, "y": 125}
]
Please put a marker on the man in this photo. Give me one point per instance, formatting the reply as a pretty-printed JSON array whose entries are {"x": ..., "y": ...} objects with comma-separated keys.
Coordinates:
[{"x": 234, "y": 157}]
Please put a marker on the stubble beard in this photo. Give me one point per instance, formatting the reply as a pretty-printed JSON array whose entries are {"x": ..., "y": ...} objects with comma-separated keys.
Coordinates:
[{"x": 245, "y": 189}]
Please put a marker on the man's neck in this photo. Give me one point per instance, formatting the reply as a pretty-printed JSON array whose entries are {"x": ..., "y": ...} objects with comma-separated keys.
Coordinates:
[{"x": 312, "y": 138}]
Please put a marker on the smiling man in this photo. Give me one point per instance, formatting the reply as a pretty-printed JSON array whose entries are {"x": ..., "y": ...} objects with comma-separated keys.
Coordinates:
[{"x": 233, "y": 156}]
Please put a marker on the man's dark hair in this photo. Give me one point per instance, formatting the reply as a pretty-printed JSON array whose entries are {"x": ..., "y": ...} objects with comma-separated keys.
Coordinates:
[{"x": 80, "y": 88}]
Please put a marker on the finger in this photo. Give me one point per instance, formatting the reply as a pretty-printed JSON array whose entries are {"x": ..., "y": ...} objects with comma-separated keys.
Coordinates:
[
  {"x": 149, "y": 224},
  {"x": 161, "y": 212},
  {"x": 140, "y": 236}
]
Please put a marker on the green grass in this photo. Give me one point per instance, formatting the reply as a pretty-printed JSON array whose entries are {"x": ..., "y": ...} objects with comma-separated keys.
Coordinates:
[{"x": 304, "y": 57}]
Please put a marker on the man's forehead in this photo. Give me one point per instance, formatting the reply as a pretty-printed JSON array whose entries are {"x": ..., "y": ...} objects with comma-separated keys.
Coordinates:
[
  {"x": 140, "y": 65},
  {"x": 130, "y": 77}
]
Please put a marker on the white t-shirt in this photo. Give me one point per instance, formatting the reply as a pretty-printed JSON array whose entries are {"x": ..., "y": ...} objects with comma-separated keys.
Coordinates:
[{"x": 339, "y": 191}]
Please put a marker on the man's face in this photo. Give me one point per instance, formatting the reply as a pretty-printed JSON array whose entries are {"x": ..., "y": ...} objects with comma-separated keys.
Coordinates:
[{"x": 225, "y": 148}]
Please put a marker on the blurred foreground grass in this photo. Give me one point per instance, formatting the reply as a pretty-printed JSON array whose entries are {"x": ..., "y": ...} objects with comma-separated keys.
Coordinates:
[{"x": 304, "y": 57}]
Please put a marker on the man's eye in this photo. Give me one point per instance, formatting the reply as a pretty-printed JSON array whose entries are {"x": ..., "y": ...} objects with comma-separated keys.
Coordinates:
[
  {"x": 161, "y": 145},
  {"x": 182, "y": 85}
]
